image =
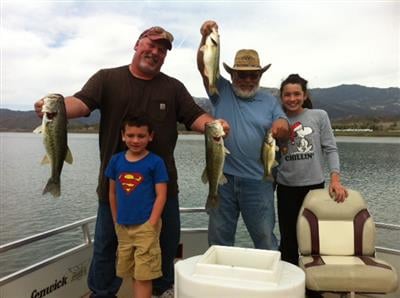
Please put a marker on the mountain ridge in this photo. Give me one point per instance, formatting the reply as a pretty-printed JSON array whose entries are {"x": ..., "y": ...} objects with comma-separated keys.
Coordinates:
[{"x": 342, "y": 103}]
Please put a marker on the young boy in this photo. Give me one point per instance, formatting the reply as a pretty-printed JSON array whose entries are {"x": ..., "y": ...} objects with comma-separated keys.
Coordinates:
[{"x": 137, "y": 194}]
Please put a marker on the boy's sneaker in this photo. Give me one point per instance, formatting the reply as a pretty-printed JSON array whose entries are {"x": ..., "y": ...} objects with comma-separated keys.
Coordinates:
[{"x": 167, "y": 294}]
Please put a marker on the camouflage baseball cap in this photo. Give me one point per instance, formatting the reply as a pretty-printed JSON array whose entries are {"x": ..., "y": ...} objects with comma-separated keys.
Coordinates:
[{"x": 158, "y": 33}]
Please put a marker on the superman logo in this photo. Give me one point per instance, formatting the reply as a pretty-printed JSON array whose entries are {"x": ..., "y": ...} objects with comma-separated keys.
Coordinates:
[{"x": 129, "y": 181}]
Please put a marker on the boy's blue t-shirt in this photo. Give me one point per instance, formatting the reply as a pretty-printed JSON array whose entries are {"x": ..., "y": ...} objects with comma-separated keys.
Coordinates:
[{"x": 135, "y": 186}]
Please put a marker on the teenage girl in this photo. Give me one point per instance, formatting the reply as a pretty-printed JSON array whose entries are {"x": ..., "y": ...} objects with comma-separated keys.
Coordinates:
[{"x": 301, "y": 167}]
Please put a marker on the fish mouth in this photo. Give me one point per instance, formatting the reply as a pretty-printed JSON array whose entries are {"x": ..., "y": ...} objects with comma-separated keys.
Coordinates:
[
  {"x": 50, "y": 116},
  {"x": 217, "y": 139},
  {"x": 215, "y": 43}
]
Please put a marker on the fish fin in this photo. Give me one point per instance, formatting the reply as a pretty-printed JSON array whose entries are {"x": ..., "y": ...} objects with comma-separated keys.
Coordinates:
[
  {"x": 53, "y": 187},
  {"x": 222, "y": 180},
  {"x": 204, "y": 177},
  {"x": 38, "y": 130},
  {"x": 226, "y": 151},
  {"x": 45, "y": 160},
  {"x": 275, "y": 163},
  {"x": 68, "y": 156},
  {"x": 276, "y": 148}
]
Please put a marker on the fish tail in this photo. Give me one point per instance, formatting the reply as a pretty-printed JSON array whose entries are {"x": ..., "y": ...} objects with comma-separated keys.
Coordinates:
[
  {"x": 269, "y": 178},
  {"x": 212, "y": 89},
  {"x": 53, "y": 187},
  {"x": 212, "y": 202}
]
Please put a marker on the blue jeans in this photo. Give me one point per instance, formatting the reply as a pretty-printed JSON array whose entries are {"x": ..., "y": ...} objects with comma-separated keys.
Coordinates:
[
  {"x": 169, "y": 242},
  {"x": 254, "y": 199},
  {"x": 102, "y": 280}
]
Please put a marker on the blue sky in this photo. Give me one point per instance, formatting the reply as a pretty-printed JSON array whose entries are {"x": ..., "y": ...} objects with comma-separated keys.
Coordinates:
[{"x": 55, "y": 46}]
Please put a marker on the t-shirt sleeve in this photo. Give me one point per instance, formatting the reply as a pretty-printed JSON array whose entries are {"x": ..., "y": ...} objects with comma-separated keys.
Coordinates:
[
  {"x": 160, "y": 172},
  {"x": 187, "y": 109},
  {"x": 222, "y": 84},
  {"x": 277, "y": 110},
  {"x": 328, "y": 143},
  {"x": 110, "y": 171},
  {"x": 91, "y": 92}
]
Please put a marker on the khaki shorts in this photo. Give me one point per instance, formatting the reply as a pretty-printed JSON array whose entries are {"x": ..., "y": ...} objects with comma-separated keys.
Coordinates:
[{"x": 139, "y": 254}]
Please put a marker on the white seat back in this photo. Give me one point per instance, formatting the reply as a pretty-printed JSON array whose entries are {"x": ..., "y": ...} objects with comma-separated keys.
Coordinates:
[{"x": 326, "y": 227}]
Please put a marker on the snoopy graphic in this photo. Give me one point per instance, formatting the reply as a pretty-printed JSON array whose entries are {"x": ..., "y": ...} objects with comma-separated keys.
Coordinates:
[{"x": 297, "y": 130}]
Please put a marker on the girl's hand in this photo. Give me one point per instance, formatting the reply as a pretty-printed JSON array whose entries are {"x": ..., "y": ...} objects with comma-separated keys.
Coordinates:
[{"x": 338, "y": 191}]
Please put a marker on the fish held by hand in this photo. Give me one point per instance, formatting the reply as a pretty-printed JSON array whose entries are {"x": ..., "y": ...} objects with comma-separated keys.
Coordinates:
[
  {"x": 215, "y": 158},
  {"x": 268, "y": 155},
  {"x": 211, "y": 50},
  {"x": 54, "y": 131}
]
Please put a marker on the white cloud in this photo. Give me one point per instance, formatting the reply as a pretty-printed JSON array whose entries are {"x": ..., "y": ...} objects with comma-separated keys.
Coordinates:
[{"x": 56, "y": 46}]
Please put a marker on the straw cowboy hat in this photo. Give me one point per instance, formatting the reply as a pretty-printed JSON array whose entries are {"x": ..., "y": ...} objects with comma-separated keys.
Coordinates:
[{"x": 246, "y": 60}]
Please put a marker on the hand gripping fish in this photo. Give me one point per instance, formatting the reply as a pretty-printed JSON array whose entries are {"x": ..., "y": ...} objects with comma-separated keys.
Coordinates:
[
  {"x": 211, "y": 60},
  {"x": 54, "y": 130},
  {"x": 268, "y": 153},
  {"x": 215, "y": 158}
]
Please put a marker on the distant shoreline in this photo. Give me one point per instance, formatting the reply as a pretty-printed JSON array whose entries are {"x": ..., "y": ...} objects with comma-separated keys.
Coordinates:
[
  {"x": 367, "y": 134},
  {"x": 377, "y": 133}
]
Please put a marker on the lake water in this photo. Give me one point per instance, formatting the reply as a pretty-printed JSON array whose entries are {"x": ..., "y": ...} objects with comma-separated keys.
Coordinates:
[{"x": 369, "y": 165}]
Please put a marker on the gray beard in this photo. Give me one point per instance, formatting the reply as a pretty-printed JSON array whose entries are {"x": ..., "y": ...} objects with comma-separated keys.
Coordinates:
[{"x": 245, "y": 94}]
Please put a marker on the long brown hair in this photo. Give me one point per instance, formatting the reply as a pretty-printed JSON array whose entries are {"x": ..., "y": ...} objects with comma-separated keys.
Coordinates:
[{"x": 296, "y": 79}]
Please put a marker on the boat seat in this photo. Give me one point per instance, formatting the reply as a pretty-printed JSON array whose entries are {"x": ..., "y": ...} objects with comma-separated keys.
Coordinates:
[{"x": 337, "y": 246}]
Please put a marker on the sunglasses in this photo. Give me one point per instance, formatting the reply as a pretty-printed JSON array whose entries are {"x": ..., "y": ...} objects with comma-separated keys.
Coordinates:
[{"x": 248, "y": 74}]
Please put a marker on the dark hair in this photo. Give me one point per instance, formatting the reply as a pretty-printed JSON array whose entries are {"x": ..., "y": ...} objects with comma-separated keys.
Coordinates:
[
  {"x": 296, "y": 79},
  {"x": 136, "y": 121}
]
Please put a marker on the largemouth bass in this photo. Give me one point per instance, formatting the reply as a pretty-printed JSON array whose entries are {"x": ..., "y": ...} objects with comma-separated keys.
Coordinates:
[
  {"x": 268, "y": 153},
  {"x": 211, "y": 60},
  {"x": 215, "y": 158},
  {"x": 54, "y": 130}
]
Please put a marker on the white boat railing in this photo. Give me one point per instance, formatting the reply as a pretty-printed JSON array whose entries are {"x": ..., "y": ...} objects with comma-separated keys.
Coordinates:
[
  {"x": 87, "y": 241},
  {"x": 385, "y": 226},
  {"x": 84, "y": 224}
]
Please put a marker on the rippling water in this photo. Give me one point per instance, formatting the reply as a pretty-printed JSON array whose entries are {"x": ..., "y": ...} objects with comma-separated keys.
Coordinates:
[{"x": 369, "y": 165}]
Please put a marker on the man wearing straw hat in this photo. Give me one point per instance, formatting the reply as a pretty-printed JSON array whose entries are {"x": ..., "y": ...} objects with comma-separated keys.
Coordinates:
[{"x": 251, "y": 112}]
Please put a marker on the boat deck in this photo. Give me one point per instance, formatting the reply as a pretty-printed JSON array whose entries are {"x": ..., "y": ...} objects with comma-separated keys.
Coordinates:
[
  {"x": 74, "y": 263},
  {"x": 126, "y": 292}
]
